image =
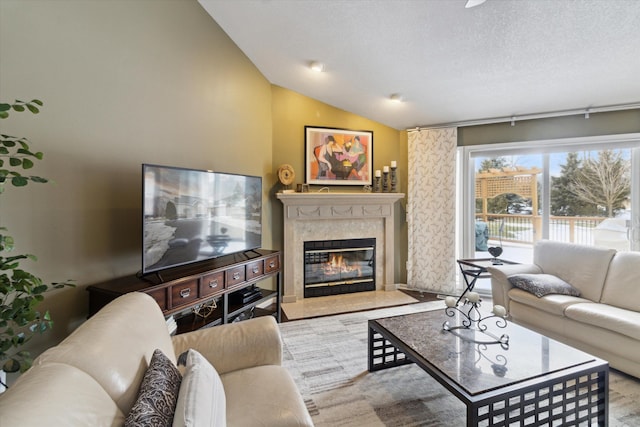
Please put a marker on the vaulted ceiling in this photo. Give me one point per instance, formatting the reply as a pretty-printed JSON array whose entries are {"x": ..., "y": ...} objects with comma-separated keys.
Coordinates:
[{"x": 449, "y": 63}]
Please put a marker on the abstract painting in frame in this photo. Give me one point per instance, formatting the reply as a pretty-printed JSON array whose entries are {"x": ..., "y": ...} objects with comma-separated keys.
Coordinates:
[{"x": 338, "y": 156}]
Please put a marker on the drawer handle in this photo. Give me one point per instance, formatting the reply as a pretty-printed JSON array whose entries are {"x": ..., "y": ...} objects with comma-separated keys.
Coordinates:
[
  {"x": 236, "y": 275},
  {"x": 184, "y": 293},
  {"x": 213, "y": 283},
  {"x": 255, "y": 269},
  {"x": 272, "y": 264}
]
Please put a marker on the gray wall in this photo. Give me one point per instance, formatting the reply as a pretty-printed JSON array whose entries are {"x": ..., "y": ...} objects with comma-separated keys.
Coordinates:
[{"x": 609, "y": 123}]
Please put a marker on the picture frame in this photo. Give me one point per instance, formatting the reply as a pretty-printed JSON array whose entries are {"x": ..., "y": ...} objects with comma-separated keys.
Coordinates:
[{"x": 336, "y": 156}]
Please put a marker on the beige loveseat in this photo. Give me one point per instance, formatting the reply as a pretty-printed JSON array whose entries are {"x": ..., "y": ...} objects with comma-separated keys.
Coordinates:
[
  {"x": 604, "y": 320},
  {"x": 93, "y": 376}
]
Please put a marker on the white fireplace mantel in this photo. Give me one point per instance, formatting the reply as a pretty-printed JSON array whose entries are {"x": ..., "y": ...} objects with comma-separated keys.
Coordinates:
[{"x": 345, "y": 215}]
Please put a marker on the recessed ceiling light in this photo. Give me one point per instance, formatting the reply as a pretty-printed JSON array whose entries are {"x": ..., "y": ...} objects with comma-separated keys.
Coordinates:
[
  {"x": 316, "y": 66},
  {"x": 396, "y": 97}
]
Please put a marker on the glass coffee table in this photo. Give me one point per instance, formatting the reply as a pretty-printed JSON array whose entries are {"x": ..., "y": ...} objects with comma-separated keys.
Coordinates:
[{"x": 532, "y": 381}]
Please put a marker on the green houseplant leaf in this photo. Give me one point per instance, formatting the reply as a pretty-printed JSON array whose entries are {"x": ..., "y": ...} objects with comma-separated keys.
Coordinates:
[{"x": 20, "y": 291}]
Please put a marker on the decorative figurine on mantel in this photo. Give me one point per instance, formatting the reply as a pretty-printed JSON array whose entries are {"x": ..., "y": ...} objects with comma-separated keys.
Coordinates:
[
  {"x": 286, "y": 175},
  {"x": 472, "y": 320}
]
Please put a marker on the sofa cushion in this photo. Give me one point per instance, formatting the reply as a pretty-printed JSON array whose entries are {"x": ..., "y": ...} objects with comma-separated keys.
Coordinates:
[
  {"x": 622, "y": 286},
  {"x": 585, "y": 267},
  {"x": 604, "y": 316},
  {"x": 57, "y": 394},
  {"x": 201, "y": 401},
  {"x": 543, "y": 284},
  {"x": 115, "y": 345},
  {"x": 273, "y": 396},
  {"x": 552, "y": 303},
  {"x": 235, "y": 346},
  {"x": 158, "y": 394}
]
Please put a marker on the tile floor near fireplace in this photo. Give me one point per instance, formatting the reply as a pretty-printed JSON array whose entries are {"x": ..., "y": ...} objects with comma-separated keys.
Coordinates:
[{"x": 346, "y": 303}]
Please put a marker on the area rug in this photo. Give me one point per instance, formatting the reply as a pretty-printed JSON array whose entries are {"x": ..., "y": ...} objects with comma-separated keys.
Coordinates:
[{"x": 327, "y": 357}]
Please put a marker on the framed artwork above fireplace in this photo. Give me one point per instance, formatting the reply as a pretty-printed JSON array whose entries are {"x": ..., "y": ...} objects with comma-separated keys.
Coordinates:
[{"x": 338, "y": 156}]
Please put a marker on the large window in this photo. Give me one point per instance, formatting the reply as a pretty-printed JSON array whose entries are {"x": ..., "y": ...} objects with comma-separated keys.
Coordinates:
[{"x": 581, "y": 190}]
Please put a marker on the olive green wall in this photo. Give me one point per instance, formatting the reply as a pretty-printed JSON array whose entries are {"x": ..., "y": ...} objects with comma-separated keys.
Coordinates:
[
  {"x": 132, "y": 82},
  {"x": 124, "y": 82},
  {"x": 292, "y": 112},
  {"x": 609, "y": 123}
]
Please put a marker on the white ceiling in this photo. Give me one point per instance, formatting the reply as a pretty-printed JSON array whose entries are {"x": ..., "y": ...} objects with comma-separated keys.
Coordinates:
[{"x": 450, "y": 64}]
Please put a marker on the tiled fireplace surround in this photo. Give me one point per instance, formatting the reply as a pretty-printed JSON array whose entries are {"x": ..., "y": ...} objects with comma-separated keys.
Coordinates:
[{"x": 333, "y": 215}]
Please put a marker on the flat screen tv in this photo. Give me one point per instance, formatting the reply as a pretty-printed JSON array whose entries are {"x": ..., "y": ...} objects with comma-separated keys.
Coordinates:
[{"x": 192, "y": 215}]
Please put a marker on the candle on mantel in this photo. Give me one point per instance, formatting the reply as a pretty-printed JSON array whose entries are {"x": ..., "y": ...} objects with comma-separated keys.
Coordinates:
[
  {"x": 385, "y": 169},
  {"x": 450, "y": 302},
  {"x": 473, "y": 297},
  {"x": 378, "y": 173},
  {"x": 393, "y": 164},
  {"x": 499, "y": 310}
]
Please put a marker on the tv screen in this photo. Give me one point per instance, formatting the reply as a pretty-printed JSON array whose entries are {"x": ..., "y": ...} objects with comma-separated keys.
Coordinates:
[{"x": 193, "y": 215}]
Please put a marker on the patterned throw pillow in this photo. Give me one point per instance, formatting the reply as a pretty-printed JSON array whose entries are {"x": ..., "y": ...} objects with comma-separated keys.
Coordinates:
[
  {"x": 158, "y": 394},
  {"x": 542, "y": 284}
]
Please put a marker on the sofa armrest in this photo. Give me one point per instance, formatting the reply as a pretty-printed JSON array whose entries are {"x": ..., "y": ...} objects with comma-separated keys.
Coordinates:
[
  {"x": 234, "y": 346},
  {"x": 500, "y": 285}
]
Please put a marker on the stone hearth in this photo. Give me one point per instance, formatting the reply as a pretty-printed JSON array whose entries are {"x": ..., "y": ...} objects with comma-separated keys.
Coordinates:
[{"x": 324, "y": 216}]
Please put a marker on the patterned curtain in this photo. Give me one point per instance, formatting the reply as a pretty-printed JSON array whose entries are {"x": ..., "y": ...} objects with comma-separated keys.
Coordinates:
[{"x": 431, "y": 208}]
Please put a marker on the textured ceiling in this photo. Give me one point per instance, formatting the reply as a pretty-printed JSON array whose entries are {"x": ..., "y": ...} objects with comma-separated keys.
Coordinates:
[{"x": 500, "y": 59}]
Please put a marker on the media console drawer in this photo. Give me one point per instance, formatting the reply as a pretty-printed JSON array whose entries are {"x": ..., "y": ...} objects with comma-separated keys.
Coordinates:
[
  {"x": 160, "y": 295},
  {"x": 212, "y": 283},
  {"x": 255, "y": 269},
  {"x": 235, "y": 276},
  {"x": 272, "y": 264},
  {"x": 183, "y": 293}
]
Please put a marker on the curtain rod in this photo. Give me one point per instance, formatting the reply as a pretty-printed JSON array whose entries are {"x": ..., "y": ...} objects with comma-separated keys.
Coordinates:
[{"x": 514, "y": 118}]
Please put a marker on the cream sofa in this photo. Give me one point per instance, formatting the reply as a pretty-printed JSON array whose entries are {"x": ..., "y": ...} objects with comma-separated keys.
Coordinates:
[
  {"x": 604, "y": 320},
  {"x": 93, "y": 376}
]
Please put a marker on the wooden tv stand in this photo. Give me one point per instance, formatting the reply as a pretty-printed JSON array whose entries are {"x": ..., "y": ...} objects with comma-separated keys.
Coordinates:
[{"x": 181, "y": 291}]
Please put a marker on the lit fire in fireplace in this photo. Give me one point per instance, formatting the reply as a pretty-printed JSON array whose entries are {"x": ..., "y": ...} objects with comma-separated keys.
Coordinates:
[
  {"x": 337, "y": 264},
  {"x": 339, "y": 267}
]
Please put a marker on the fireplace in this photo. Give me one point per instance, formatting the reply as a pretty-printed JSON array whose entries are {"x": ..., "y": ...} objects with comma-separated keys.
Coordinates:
[
  {"x": 343, "y": 266},
  {"x": 318, "y": 216}
]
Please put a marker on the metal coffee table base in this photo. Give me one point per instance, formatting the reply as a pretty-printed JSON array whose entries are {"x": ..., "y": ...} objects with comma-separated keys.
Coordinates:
[{"x": 575, "y": 396}]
